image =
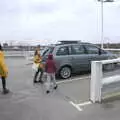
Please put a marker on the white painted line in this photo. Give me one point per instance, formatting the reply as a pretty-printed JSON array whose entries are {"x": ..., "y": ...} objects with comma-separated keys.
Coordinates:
[
  {"x": 20, "y": 100},
  {"x": 29, "y": 63},
  {"x": 76, "y": 106},
  {"x": 84, "y": 104},
  {"x": 72, "y": 80}
]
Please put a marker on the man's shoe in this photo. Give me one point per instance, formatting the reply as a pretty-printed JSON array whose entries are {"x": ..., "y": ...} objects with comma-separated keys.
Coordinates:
[
  {"x": 35, "y": 81},
  {"x": 6, "y": 91},
  {"x": 55, "y": 87},
  {"x": 47, "y": 91},
  {"x": 40, "y": 81}
]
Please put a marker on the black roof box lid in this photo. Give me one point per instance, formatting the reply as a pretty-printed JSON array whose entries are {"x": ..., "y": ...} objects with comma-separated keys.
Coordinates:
[{"x": 69, "y": 41}]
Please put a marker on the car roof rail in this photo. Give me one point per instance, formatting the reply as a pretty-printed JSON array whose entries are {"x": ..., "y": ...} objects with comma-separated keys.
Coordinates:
[{"x": 69, "y": 41}]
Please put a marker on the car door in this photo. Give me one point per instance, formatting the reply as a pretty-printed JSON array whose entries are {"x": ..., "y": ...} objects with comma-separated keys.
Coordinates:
[
  {"x": 62, "y": 57},
  {"x": 78, "y": 58},
  {"x": 46, "y": 52}
]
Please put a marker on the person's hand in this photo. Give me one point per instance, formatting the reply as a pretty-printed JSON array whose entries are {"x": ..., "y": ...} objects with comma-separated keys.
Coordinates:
[{"x": 6, "y": 74}]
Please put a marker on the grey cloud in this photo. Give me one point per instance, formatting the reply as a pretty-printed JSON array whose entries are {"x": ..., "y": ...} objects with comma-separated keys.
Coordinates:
[
  {"x": 81, "y": 21},
  {"x": 43, "y": 8},
  {"x": 13, "y": 7},
  {"x": 9, "y": 7}
]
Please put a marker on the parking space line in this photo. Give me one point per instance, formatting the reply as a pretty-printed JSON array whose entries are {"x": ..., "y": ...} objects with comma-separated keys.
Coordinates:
[
  {"x": 84, "y": 103},
  {"x": 78, "y": 106},
  {"x": 29, "y": 63},
  {"x": 71, "y": 80},
  {"x": 75, "y": 105}
]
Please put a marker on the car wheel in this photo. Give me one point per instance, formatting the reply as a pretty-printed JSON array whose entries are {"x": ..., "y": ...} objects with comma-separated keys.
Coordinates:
[{"x": 65, "y": 72}]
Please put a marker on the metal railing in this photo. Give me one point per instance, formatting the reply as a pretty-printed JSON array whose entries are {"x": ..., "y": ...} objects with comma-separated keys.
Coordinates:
[
  {"x": 97, "y": 80},
  {"x": 14, "y": 53},
  {"x": 19, "y": 53},
  {"x": 114, "y": 51}
]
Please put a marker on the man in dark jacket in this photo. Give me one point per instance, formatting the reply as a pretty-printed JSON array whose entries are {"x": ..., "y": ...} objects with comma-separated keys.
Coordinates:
[{"x": 50, "y": 69}]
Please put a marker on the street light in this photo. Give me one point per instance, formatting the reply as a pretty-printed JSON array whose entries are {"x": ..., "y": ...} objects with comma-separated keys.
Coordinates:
[
  {"x": 102, "y": 21},
  {"x": 106, "y": 0}
]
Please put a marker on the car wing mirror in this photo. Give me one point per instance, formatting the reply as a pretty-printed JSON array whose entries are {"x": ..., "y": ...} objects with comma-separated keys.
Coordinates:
[{"x": 100, "y": 52}]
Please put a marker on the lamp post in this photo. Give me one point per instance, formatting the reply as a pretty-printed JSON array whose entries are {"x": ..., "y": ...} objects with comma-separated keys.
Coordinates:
[
  {"x": 102, "y": 25},
  {"x": 102, "y": 21}
]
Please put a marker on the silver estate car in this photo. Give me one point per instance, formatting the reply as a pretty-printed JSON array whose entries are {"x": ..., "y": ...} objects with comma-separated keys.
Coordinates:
[{"x": 74, "y": 56}]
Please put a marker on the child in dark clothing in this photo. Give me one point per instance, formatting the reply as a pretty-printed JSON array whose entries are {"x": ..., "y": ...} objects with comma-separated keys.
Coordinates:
[{"x": 50, "y": 69}]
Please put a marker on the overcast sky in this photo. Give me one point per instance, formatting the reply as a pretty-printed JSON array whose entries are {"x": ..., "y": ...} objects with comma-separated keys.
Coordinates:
[{"x": 51, "y": 20}]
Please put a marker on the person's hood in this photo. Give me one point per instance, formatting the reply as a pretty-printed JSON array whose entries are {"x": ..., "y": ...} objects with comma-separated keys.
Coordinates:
[{"x": 50, "y": 56}]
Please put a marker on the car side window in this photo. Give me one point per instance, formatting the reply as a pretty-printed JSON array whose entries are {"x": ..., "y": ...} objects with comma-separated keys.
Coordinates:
[
  {"x": 63, "y": 51},
  {"x": 92, "y": 49},
  {"x": 103, "y": 52},
  {"x": 45, "y": 52},
  {"x": 77, "y": 49},
  {"x": 48, "y": 51}
]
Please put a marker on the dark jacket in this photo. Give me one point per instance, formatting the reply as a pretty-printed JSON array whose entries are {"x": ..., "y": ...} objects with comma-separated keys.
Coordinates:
[{"x": 50, "y": 65}]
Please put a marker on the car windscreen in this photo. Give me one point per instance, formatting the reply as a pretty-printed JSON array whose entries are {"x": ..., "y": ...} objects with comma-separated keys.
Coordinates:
[{"x": 47, "y": 51}]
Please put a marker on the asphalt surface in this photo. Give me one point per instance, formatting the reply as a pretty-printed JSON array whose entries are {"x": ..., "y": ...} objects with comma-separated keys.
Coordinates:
[{"x": 30, "y": 102}]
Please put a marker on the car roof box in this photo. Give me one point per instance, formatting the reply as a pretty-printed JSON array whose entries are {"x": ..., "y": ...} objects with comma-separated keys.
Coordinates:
[{"x": 69, "y": 41}]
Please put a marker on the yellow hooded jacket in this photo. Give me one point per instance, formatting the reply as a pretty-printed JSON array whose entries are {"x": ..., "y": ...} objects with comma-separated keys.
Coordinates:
[
  {"x": 3, "y": 67},
  {"x": 38, "y": 61}
]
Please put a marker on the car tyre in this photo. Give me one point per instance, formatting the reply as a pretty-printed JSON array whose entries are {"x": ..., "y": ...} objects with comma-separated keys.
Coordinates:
[{"x": 65, "y": 72}]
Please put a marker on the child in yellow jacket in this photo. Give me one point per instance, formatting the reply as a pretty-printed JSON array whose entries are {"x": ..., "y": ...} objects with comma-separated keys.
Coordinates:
[
  {"x": 38, "y": 62},
  {"x": 3, "y": 71}
]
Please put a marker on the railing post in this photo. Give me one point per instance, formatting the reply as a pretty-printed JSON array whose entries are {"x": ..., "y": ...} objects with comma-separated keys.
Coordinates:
[{"x": 96, "y": 77}]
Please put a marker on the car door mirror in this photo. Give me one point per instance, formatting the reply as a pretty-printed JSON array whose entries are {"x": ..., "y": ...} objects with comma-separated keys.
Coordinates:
[{"x": 99, "y": 52}]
